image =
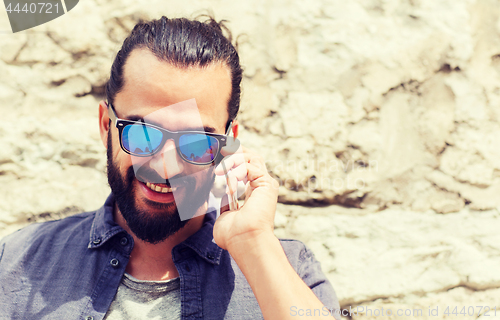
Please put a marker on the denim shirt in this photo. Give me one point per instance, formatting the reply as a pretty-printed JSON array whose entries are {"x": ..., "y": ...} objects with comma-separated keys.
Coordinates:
[{"x": 71, "y": 269}]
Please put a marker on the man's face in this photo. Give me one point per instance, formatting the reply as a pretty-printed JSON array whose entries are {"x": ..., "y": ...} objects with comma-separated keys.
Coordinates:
[{"x": 163, "y": 94}]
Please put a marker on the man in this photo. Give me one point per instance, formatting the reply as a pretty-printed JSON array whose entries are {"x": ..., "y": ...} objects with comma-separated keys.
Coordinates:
[{"x": 155, "y": 250}]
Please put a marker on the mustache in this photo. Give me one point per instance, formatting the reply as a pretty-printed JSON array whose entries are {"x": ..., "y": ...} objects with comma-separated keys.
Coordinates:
[{"x": 145, "y": 174}]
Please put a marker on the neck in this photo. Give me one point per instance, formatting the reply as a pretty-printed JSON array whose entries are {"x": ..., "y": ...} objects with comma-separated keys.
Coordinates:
[{"x": 154, "y": 261}]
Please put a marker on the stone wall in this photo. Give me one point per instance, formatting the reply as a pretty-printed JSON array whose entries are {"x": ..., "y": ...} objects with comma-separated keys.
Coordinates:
[{"x": 380, "y": 119}]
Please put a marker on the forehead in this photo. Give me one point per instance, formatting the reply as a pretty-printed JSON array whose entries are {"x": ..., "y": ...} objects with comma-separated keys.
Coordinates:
[{"x": 159, "y": 89}]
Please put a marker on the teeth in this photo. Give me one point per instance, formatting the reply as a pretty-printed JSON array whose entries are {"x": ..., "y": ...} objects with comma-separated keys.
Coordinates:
[{"x": 159, "y": 189}]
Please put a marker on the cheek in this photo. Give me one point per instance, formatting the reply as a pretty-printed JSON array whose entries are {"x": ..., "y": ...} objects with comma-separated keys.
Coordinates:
[
  {"x": 135, "y": 164},
  {"x": 123, "y": 160},
  {"x": 202, "y": 176}
]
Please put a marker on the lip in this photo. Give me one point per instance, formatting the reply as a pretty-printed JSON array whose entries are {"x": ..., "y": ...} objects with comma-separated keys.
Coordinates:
[{"x": 156, "y": 196}]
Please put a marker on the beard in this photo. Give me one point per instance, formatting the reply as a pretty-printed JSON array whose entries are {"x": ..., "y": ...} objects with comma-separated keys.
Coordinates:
[{"x": 166, "y": 220}]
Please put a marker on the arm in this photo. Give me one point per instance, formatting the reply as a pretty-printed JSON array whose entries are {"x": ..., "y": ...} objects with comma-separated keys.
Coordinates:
[
  {"x": 247, "y": 233},
  {"x": 281, "y": 293}
]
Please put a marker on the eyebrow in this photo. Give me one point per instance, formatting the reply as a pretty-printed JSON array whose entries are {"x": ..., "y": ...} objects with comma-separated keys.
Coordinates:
[{"x": 207, "y": 129}]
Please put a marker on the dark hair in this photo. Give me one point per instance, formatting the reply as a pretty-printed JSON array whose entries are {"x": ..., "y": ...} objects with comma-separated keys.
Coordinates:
[{"x": 183, "y": 43}]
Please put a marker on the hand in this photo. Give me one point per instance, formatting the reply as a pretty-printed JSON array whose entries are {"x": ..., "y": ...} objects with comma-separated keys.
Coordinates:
[
  {"x": 247, "y": 233},
  {"x": 256, "y": 217}
]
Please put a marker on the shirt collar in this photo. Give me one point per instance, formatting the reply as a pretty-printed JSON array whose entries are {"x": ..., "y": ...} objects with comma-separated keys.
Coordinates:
[
  {"x": 202, "y": 242},
  {"x": 104, "y": 228}
]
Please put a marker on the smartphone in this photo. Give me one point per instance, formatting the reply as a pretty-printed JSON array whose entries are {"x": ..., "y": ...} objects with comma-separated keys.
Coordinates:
[{"x": 232, "y": 197}]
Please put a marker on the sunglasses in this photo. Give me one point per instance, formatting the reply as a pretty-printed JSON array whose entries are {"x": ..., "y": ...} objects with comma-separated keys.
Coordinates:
[{"x": 142, "y": 139}]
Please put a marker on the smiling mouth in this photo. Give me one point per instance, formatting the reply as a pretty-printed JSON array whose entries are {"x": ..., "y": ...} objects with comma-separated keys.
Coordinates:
[{"x": 160, "y": 188}]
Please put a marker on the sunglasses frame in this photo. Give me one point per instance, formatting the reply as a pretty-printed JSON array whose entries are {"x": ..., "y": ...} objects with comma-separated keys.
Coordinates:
[{"x": 167, "y": 134}]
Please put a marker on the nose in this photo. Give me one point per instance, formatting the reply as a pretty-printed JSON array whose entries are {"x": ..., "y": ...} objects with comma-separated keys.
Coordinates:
[{"x": 167, "y": 162}]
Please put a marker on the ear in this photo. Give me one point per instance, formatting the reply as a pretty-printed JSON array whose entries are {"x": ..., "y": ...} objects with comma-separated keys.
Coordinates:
[
  {"x": 235, "y": 128},
  {"x": 103, "y": 122}
]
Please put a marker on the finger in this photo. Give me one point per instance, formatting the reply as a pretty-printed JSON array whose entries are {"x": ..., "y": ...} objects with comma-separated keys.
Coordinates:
[
  {"x": 232, "y": 184},
  {"x": 235, "y": 160},
  {"x": 247, "y": 172},
  {"x": 258, "y": 177},
  {"x": 240, "y": 172},
  {"x": 230, "y": 162}
]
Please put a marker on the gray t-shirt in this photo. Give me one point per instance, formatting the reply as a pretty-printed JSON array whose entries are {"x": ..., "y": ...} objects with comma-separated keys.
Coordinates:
[{"x": 141, "y": 299}]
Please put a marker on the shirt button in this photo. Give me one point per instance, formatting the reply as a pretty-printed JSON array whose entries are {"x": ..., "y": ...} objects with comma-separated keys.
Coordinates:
[
  {"x": 210, "y": 256},
  {"x": 89, "y": 318},
  {"x": 97, "y": 241},
  {"x": 188, "y": 269},
  {"x": 114, "y": 263},
  {"x": 124, "y": 241}
]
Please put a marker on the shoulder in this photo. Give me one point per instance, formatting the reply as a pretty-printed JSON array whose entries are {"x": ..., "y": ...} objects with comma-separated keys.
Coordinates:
[
  {"x": 301, "y": 257},
  {"x": 68, "y": 229},
  {"x": 297, "y": 252},
  {"x": 309, "y": 269}
]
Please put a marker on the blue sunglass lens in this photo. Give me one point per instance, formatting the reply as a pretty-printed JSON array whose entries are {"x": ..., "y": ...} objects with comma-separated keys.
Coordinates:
[
  {"x": 198, "y": 147},
  {"x": 140, "y": 139}
]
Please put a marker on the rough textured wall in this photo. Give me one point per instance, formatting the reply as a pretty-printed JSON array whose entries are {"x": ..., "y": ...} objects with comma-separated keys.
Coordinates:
[
  {"x": 376, "y": 103},
  {"x": 371, "y": 104}
]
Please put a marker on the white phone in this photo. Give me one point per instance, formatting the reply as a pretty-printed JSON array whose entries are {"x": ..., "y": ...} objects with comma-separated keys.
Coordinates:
[{"x": 232, "y": 197}]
